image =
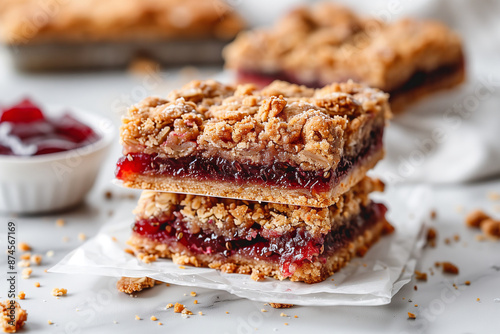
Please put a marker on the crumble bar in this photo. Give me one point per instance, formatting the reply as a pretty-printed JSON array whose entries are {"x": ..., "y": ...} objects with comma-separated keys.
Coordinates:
[
  {"x": 73, "y": 21},
  {"x": 284, "y": 143},
  {"x": 281, "y": 241},
  {"x": 46, "y": 35},
  {"x": 325, "y": 43}
]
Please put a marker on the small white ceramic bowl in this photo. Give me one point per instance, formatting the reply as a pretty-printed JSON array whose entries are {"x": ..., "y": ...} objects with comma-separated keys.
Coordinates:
[{"x": 55, "y": 181}]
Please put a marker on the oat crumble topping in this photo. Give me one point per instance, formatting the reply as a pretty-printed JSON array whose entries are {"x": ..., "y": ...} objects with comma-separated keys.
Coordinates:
[{"x": 308, "y": 128}]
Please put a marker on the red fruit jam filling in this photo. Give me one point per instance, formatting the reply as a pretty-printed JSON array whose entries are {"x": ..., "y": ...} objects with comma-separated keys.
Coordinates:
[
  {"x": 278, "y": 174},
  {"x": 25, "y": 131},
  {"x": 291, "y": 249}
]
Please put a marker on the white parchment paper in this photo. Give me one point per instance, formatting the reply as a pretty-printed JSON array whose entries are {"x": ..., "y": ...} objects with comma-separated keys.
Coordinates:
[{"x": 371, "y": 280}]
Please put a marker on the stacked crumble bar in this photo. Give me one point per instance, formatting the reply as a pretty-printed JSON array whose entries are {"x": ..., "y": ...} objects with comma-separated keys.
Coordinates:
[{"x": 266, "y": 182}]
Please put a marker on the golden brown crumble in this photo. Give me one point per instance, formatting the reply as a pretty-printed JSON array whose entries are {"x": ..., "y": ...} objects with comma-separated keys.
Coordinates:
[
  {"x": 6, "y": 322},
  {"x": 178, "y": 308},
  {"x": 489, "y": 226},
  {"x": 60, "y": 222},
  {"x": 431, "y": 236},
  {"x": 24, "y": 247},
  {"x": 280, "y": 305},
  {"x": 326, "y": 42},
  {"x": 21, "y": 295},
  {"x": 228, "y": 216},
  {"x": 36, "y": 259},
  {"x": 104, "y": 21},
  {"x": 134, "y": 284},
  {"x": 449, "y": 268},
  {"x": 26, "y": 273},
  {"x": 25, "y": 256},
  {"x": 421, "y": 276},
  {"x": 282, "y": 122},
  {"x": 59, "y": 292},
  {"x": 475, "y": 217},
  {"x": 411, "y": 316}
]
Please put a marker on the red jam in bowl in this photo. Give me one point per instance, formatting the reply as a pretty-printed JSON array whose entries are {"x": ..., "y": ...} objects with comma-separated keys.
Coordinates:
[{"x": 26, "y": 131}]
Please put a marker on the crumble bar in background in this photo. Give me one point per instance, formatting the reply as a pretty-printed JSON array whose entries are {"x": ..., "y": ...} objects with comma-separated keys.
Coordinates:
[
  {"x": 325, "y": 43},
  {"x": 285, "y": 143},
  {"x": 92, "y": 33}
]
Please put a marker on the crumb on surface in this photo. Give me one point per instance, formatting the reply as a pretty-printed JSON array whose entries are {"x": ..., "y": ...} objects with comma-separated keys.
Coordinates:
[
  {"x": 82, "y": 236},
  {"x": 195, "y": 301},
  {"x": 182, "y": 267},
  {"x": 24, "y": 263},
  {"x": 411, "y": 316},
  {"x": 467, "y": 283},
  {"x": 26, "y": 273},
  {"x": 137, "y": 317},
  {"x": 50, "y": 322},
  {"x": 200, "y": 313},
  {"x": 36, "y": 259},
  {"x": 108, "y": 195},
  {"x": 59, "y": 292},
  {"x": 433, "y": 214},
  {"x": 20, "y": 316},
  {"x": 134, "y": 284},
  {"x": 491, "y": 228},
  {"x": 21, "y": 295},
  {"x": 421, "y": 276},
  {"x": 475, "y": 218},
  {"x": 153, "y": 318},
  {"x": 60, "y": 222},
  {"x": 283, "y": 314},
  {"x": 279, "y": 305},
  {"x": 37, "y": 284},
  {"x": 25, "y": 256},
  {"x": 114, "y": 239},
  {"x": 456, "y": 237},
  {"x": 24, "y": 247},
  {"x": 185, "y": 311},
  {"x": 193, "y": 294},
  {"x": 415, "y": 288},
  {"x": 65, "y": 239},
  {"x": 178, "y": 308},
  {"x": 160, "y": 323},
  {"x": 449, "y": 268},
  {"x": 478, "y": 300},
  {"x": 169, "y": 305},
  {"x": 50, "y": 253}
]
